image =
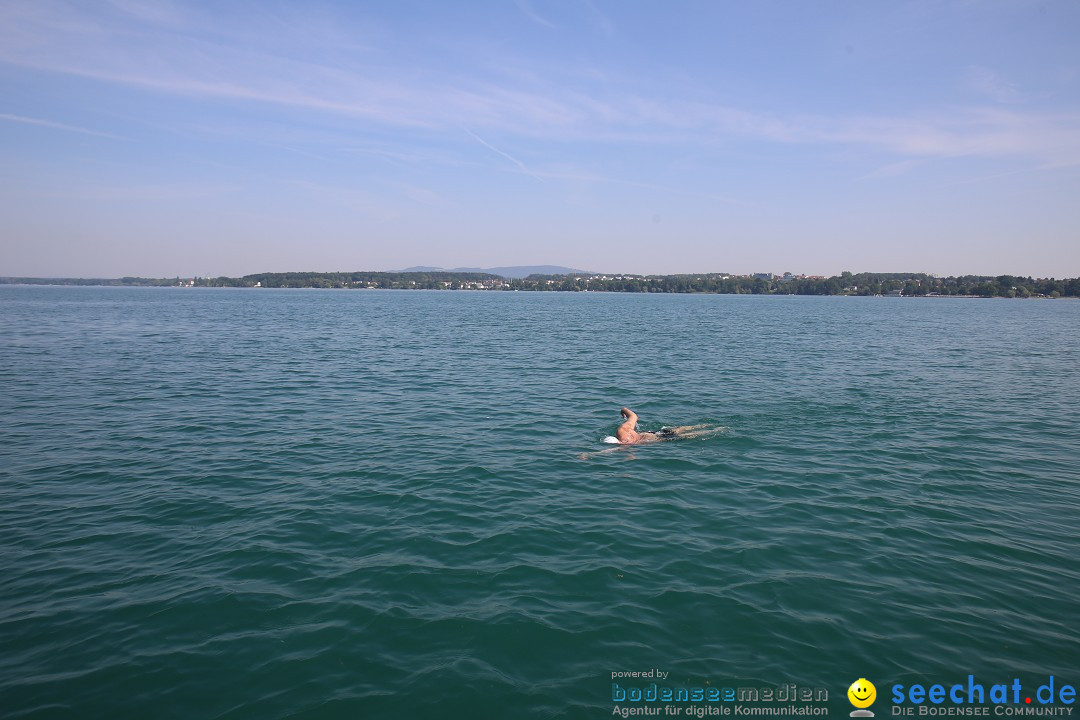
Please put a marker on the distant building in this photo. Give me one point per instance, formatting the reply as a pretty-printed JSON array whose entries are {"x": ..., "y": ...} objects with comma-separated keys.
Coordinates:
[{"x": 762, "y": 276}]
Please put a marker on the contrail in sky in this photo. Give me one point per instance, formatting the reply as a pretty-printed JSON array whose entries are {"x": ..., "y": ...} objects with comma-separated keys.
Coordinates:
[
  {"x": 509, "y": 157},
  {"x": 55, "y": 125}
]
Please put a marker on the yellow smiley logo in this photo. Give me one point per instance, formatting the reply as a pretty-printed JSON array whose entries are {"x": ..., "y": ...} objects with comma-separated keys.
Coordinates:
[{"x": 862, "y": 693}]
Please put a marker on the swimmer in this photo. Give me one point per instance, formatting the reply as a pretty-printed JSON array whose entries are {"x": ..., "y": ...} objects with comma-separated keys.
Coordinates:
[{"x": 627, "y": 433}]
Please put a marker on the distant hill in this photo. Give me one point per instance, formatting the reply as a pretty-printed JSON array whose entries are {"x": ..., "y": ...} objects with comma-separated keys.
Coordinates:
[{"x": 513, "y": 271}]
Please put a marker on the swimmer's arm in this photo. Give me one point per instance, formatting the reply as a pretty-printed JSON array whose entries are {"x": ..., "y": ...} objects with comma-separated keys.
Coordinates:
[
  {"x": 626, "y": 433},
  {"x": 617, "y": 448}
]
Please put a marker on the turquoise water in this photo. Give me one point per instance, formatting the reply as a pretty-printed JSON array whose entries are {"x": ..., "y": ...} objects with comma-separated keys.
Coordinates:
[{"x": 321, "y": 504}]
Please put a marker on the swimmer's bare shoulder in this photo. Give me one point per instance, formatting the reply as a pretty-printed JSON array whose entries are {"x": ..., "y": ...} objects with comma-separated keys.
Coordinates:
[{"x": 626, "y": 433}]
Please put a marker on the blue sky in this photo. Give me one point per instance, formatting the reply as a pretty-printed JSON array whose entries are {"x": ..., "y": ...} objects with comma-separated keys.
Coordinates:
[{"x": 163, "y": 138}]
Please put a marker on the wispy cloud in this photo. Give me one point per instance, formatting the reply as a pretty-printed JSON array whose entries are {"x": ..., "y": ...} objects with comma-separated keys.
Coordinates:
[
  {"x": 520, "y": 165},
  {"x": 584, "y": 176},
  {"x": 57, "y": 126},
  {"x": 529, "y": 12},
  {"x": 147, "y": 193},
  {"x": 602, "y": 21},
  {"x": 403, "y": 157},
  {"x": 892, "y": 170},
  {"x": 159, "y": 12},
  {"x": 386, "y": 201},
  {"x": 422, "y": 195},
  {"x": 364, "y": 201},
  {"x": 132, "y": 48},
  {"x": 1052, "y": 138},
  {"x": 993, "y": 176},
  {"x": 304, "y": 153},
  {"x": 988, "y": 83}
]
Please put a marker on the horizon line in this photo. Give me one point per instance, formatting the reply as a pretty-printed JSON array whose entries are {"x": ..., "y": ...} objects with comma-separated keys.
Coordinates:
[{"x": 800, "y": 276}]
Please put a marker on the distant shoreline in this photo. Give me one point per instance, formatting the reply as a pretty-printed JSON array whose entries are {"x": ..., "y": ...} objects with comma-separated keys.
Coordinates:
[
  {"x": 595, "y": 292},
  {"x": 845, "y": 284}
]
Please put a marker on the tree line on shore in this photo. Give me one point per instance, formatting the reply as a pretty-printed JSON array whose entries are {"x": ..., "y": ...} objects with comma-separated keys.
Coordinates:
[{"x": 847, "y": 283}]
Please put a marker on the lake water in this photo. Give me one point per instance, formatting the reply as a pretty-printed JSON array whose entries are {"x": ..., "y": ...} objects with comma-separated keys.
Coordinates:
[{"x": 322, "y": 504}]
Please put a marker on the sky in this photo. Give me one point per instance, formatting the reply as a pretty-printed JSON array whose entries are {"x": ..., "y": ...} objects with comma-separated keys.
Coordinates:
[{"x": 162, "y": 138}]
